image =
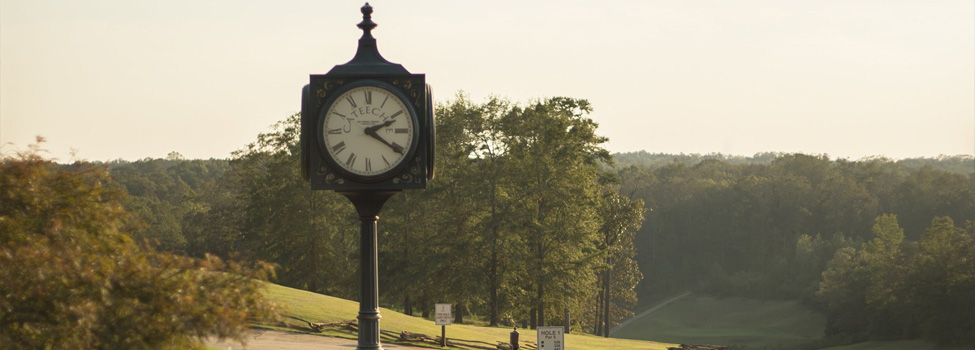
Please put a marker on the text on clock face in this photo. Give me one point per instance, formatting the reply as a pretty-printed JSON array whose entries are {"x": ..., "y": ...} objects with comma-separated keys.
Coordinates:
[
  {"x": 363, "y": 113},
  {"x": 369, "y": 110}
]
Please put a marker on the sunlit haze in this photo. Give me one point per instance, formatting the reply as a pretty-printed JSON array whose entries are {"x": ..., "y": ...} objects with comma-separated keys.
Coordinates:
[{"x": 133, "y": 79}]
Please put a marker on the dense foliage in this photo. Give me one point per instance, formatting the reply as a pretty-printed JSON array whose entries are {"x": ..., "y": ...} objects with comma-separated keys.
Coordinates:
[
  {"x": 172, "y": 196},
  {"x": 73, "y": 279},
  {"x": 529, "y": 217},
  {"x": 770, "y": 230},
  {"x": 520, "y": 201},
  {"x": 891, "y": 289}
]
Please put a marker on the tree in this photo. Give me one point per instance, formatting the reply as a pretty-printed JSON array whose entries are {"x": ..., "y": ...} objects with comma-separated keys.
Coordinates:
[
  {"x": 73, "y": 279},
  {"x": 944, "y": 283},
  {"x": 555, "y": 154},
  {"x": 621, "y": 218},
  {"x": 927, "y": 193},
  {"x": 481, "y": 176},
  {"x": 312, "y": 235},
  {"x": 888, "y": 268},
  {"x": 843, "y": 287},
  {"x": 894, "y": 290},
  {"x": 487, "y": 155}
]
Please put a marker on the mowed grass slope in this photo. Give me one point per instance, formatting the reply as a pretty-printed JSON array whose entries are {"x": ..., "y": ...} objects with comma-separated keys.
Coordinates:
[
  {"x": 728, "y": 321},
  {"x": 322, "y": 308},
  {"x": 897, "y": 345}
]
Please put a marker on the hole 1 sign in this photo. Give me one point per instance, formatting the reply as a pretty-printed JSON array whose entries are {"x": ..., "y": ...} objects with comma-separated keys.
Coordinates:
[{"x": 551, "y": 338}]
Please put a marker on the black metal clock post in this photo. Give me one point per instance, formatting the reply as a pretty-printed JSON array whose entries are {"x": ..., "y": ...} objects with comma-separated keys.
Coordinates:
[
  {"x": 346, "y": 135},
  {"x": 368, "y": 204}
]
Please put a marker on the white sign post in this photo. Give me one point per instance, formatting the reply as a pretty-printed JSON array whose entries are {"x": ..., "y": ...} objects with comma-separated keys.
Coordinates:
[
  {"x": 551, "y": 338},
  {"x": 442, "y": 317}
]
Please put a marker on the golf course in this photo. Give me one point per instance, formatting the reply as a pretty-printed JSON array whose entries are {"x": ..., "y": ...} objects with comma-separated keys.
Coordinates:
[
  {"x": 683, "y": 319},
  {"x": 745, "y": 324},
  {"x": 315, "y": 308}
]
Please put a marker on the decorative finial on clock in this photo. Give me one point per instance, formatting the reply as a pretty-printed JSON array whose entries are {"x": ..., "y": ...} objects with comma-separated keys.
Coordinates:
[
  {"x": 367, "y": 24},
  {"x": 367, "y": 59}
]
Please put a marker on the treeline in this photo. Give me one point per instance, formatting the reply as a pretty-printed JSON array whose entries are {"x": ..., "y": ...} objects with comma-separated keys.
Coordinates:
[
  {"x": 173, "y": 197},
  {"x": 961, "y": 164},
  {"x": 770, "y": 229},
  {"x": 528, "y": 216},
  {"x": 521, "y": 224}
]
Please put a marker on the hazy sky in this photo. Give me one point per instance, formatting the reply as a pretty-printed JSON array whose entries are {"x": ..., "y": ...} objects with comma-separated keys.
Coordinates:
[{"x": 849, "y": 78}]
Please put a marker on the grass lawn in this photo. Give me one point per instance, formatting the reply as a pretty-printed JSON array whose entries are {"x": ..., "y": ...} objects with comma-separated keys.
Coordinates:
[
  {"x": 321, "y": 308},
  {"x": 895, "y": 345},
  {"x": 730, "y": 321}
]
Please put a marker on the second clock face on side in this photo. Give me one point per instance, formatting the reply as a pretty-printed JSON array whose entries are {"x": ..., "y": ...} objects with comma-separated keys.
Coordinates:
[{"x": 368, "y": 131}]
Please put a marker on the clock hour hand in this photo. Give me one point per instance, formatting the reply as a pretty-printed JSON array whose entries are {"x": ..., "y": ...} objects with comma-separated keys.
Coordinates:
[{"x": 371, "y": 131}]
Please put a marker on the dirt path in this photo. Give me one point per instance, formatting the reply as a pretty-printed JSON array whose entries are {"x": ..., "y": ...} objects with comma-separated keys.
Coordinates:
[
  {"x": 262, "y": 339},
  {"x": 647, "y": 312}
]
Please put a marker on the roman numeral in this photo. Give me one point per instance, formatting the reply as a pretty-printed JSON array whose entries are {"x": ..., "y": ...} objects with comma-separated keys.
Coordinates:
[
  {"x": 384, "y": 102},
  {"x": 368, "y": 97},
  {"x": 368, "y": 164},
  {"x": 402, "y": 131},
  {"x": 351, "y": 101},
  {"x": 335, "y": 131},
  {"x": 349, "y": 162},
  {"x": 338, "y": 147},
  {"x": 396, "y": 114},
  {"x": 340, "y": 114},
  {"x": 384, "y": 160}
]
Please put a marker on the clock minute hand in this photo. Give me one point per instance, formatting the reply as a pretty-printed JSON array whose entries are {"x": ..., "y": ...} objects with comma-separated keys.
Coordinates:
[{"x": 371, "y": 131}]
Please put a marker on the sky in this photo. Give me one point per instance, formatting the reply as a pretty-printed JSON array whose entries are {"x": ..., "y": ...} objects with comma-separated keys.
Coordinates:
[{"x": 121, "y": 79}]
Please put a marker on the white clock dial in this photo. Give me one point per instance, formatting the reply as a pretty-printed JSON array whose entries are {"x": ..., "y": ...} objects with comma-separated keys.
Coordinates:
[{"x": 368, "y": 130}]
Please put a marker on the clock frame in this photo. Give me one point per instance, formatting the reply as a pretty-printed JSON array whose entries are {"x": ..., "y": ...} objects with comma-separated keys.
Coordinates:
[
  {"x": 323, "y": 174},
  {"x": 368, "y": 131}
]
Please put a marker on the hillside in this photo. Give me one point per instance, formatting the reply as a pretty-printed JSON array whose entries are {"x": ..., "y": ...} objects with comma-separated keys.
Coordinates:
[
  {"x": 322, "y": 308},
  {"x": 728, "y": 321},
  {"x": 748, "y": 324},
  {"x": 896, "y": 345}
]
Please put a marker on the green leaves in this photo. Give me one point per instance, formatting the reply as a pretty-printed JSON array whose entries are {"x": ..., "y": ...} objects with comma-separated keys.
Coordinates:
[
  {"x": 515, "y": 202},
  {"x": 895, "y": 290},
  {"x": 72, "y": 278}
]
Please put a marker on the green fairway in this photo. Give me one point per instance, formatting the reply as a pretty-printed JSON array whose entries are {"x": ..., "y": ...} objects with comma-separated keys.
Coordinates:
[
  {"x": 896, "y": 345},
  {"x": 322, "y": 308},
  {"x": 732, "y": 321}
]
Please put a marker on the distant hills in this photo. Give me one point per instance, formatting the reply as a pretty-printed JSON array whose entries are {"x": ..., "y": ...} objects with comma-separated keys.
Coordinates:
[{"x": 960, "y": 164}]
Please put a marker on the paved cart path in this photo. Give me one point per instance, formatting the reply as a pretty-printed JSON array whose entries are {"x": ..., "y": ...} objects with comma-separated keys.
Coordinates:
[
  {"x": 647, "y": 312},
  {"x": 262, "y": 339}
]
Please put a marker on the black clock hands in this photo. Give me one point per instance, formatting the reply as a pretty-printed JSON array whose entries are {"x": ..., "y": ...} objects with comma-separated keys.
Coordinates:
[{"x": 371, "y": 131}]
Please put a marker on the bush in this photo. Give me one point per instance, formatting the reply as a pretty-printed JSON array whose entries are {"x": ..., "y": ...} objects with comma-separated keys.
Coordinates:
[{"x": 72, "y": 278}]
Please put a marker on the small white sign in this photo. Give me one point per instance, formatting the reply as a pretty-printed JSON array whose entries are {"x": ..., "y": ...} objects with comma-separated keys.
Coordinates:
[
  {"x": 551, "y": 338},
  {"x": 442, "y": 314}
]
